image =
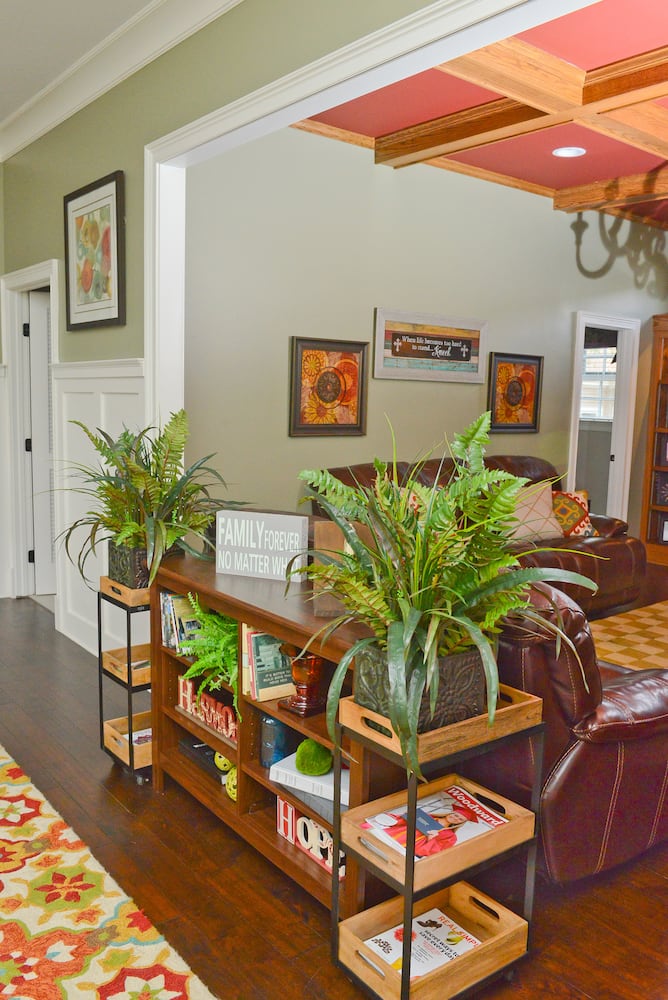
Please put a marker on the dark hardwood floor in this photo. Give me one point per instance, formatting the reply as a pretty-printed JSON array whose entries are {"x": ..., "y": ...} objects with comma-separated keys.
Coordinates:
[{"x": 243, "y": 926}]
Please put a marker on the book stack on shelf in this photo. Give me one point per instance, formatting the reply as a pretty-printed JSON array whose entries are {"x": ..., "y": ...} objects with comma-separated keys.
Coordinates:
[
  {"x": 179, "y": 621},
  {"x": 203, "y": 755},
  {"x": 266, "y": 672}
]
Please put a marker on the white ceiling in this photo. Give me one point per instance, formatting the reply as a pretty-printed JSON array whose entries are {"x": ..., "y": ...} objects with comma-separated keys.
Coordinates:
[
  {"x": 40, "y": 40},
  {"x": 56, "y": 56}
]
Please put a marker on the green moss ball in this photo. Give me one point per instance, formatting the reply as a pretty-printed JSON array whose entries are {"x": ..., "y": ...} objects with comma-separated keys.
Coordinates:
[{"x": 313, "y": 758}]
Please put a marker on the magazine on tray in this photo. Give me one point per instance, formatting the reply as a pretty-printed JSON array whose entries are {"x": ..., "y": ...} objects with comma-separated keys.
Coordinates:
[
  {"x": 436, "y": 939},
  {"x": 442, "y": 820}
]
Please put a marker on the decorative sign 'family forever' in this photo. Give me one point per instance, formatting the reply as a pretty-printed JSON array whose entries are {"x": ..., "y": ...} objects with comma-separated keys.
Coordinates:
[{"x": 250, "y": 543}]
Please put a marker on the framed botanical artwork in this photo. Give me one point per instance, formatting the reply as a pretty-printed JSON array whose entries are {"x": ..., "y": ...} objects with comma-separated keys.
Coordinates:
[
  {"x": 421, "y": 346},
  {"x": 513, "y": 391},
  {"x": 328, "y": 382},
  {"x": 95, "y": 254}
]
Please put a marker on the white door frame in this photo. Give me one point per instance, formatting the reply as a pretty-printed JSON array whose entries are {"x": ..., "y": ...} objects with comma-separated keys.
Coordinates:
[
  {"x": 628, "y": 338},
  {"x": 13, "y": 290},
  {"x": 437, "y": 33}
]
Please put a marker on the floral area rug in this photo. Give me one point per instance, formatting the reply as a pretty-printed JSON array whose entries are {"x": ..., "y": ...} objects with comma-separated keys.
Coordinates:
[{"x": 66, "y": 928}]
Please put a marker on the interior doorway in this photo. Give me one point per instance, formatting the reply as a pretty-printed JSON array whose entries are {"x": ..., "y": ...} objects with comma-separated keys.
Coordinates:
[
  {"x": 40, "y": 452},
  {"x": 604, "y": 389},
  {"x": 29, "y": 323}
]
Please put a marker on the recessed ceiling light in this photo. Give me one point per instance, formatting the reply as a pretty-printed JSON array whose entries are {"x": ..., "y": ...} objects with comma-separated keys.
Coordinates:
[{"x": 569, "y": 151}]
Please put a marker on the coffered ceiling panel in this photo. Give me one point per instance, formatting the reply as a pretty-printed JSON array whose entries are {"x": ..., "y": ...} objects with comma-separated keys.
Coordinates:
[{"x": 592, "y": 84}]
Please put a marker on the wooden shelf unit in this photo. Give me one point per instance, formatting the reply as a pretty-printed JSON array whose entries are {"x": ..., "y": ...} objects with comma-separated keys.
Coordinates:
[
  {"x": 437, "y": 881},
  {"x": 654, "y": 518},
  {"x": 116, "y": 665},
  {"x": 360, "y": 899},
  {"x": 264, "y": 605}
]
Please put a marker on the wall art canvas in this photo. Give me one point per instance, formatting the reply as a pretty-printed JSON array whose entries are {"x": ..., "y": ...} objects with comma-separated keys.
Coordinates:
[
  {"x": 327, "y": 387},
  {"x": 421, "y": 346},
  {"x": 513, "y": 392},
  {"x": 95, "y": 254}
]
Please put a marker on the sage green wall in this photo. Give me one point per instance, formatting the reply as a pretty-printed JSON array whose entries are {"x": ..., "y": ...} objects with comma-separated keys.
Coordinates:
[
  {"x": 2, "y": 232},
  {"x": 255, "y": 43},
  {"x": 298, "y": 235}
]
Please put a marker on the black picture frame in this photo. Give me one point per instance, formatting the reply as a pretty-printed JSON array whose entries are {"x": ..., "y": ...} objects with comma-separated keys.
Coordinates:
[
  {"x": 95, "y": 253},
  {"x": 328, "y": 387},
  {"x": 513, "y": 392}
]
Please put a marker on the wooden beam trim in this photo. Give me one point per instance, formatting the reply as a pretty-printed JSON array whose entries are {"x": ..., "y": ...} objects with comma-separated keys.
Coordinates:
[
  {"x": 455, "y": 167},
  {"x": 522, "y": 71},
  {"x": 628, "y": 78},
  {"x": 619, "y": 125},
  {"x": 620, "y": 213},
  {"x": 331, "y": 132},
  {"x": 613, "y": 193},
  {"x": 475, "y": 127}
]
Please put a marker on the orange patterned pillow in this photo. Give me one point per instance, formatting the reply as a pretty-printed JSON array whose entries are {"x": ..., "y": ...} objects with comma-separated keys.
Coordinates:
[{"x": 572, "y": 512}]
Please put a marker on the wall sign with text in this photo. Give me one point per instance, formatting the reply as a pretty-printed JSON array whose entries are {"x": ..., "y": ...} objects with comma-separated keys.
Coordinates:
[
  {"x": 421, "y": 346},
  {"x": 250, "y": 543}
]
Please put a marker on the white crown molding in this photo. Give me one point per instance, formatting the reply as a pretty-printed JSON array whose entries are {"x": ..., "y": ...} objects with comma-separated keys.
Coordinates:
[
  {"x": 155, "y": 30},
  {"x": 437, "y": 33}
]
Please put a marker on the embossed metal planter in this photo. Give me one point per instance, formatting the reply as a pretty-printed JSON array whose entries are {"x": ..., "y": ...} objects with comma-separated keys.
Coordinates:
[
  {"x": 128, "y": 566},
  {"x": 462, "y": 692}
]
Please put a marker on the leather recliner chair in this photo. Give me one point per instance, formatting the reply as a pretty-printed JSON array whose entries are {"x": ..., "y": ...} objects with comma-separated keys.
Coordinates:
[{"x": 604, "y": 796}]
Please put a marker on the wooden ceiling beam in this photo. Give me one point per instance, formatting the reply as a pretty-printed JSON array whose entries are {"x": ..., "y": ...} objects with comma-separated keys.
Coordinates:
[
  {"x": 628, "y": 81},
  {"x": 521, "y": 71},
  {"x": 644, "y": 126},
  {"x": 332, "y": 132},
  {"x": 474, "y": 127},
  {"x": 622, "y": 192}
]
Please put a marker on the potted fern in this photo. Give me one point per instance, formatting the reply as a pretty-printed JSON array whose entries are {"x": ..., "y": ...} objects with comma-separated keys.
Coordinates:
[
  {"x": 144, "y": 501},
  {"x": 214, "y": 646},
  {"x": 431, "y": 572}
]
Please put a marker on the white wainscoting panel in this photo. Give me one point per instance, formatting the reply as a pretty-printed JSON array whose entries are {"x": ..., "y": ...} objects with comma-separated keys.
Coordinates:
[
  {"x": 110, "y": 395},
  {"x": 5, "y": 496}
]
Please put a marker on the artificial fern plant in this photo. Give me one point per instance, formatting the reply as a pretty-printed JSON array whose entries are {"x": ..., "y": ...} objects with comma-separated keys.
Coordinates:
[
  {"x": 429, "y": 569},
  {"x": 142, "y": 496},
  {"x": 215, "y": 649}
]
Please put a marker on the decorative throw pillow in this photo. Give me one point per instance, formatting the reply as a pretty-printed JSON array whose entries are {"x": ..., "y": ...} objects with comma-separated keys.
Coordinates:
[
  {"x": 535, "y": 517},
  {"x": 572, "y": 512}
]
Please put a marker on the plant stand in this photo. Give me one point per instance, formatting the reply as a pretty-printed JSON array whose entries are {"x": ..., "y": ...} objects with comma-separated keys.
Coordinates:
[
  {"x": 436, "y": 881},
  {"x": 130, "y": 668}
]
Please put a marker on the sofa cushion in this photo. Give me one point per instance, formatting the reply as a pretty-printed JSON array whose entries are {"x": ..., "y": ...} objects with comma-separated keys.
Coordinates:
[
  {"x": 572, "y": 512},
  {"x": 534, "y": 513}
]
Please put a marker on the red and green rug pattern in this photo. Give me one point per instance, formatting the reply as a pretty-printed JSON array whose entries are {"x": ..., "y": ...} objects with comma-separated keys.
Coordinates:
[{"x": 66, "y": 928}]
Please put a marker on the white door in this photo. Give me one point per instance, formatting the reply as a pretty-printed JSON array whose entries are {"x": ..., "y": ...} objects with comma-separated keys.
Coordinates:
[
  {"x": 41, "y": 444},
  {"x": 613, "y": 475}
]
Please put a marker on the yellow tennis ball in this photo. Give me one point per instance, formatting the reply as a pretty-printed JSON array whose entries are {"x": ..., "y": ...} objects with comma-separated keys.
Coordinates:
[
  {"x": 222, "y": 762},
  {"x": 231, "y": 784}
]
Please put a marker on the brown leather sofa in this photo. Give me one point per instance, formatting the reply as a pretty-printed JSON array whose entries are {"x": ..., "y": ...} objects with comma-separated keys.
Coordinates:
[
  {"x": 619, "y": 570},
  {"x": 604, "y": 796}
]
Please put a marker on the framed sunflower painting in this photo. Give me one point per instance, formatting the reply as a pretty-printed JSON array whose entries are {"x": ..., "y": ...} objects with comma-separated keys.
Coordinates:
[
  {"x": 328, "y": 380},
  {"x": 95, "y": 254},
  {"x": 513, "y": 391}
]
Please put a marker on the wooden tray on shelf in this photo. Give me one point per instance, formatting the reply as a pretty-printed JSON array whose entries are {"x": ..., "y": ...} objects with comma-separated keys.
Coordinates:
[
  {"x": 116, "y": 739},
  {"x": 356, "y": 833},
  {"x": 114, "y": 661},
  {"x": 502, "y": 934},
  {"x": 131, "y": 598},
  {"x": 515, "y": 711}
]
